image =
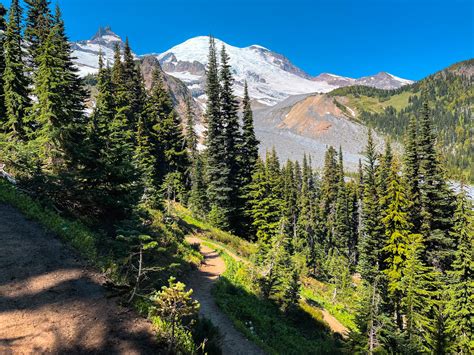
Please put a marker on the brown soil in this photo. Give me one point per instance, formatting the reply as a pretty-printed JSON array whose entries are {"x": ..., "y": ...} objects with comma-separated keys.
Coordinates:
[
  {"x": 201, "y": 282},
  {"x": 51, "y": 303}
]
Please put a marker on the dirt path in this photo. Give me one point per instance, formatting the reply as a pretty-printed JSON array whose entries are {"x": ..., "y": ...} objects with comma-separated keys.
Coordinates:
[
  {"x": 201, "y": 281},
  {"x": 333, "y": 323},
  {"x": 51, "y": 303}
]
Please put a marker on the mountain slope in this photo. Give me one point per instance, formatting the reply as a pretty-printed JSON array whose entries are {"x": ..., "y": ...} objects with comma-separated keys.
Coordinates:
[
  {"x": 449, "y": 93},
  {"x": 271, "y": 76}
]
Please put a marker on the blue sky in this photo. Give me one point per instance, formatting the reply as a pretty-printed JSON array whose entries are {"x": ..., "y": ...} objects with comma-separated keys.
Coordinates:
[{"x": 408, "y": 38}]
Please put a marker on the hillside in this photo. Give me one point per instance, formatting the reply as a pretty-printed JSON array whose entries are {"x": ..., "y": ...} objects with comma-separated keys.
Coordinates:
[
  {"x": 450, "y": 95},
  {"x": 341, "y": 116}
]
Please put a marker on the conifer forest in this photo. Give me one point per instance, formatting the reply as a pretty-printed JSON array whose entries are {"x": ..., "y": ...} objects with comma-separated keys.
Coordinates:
[{"x": 136, "y": 218}]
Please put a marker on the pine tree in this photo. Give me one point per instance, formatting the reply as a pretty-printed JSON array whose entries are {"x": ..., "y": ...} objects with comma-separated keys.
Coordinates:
[
  {"x": 306, "y": 227},
  {"x": 73, "y": 101},
  {"x": 383, "y": 175},
  {"x": 38, "y": 25},
  {"x": 170, "y": 147},
  {"x": 15, "y": 81},
  {"x": 436, "y": 198},
  {"x": 198, "y": 202},
  {"x": 417, "y": 284},
  {"x": 342, "y": 221},
  {"x": 191, "y": 135},
  {"x": 411, "y": 173},
  {"x": 3, "y": 27},
  {"x": 265, "y": 200},
  {"x": 219, "y": 190},
  {"x": 329, "y": 189},
  {"x": 371, "y": 241},
  {"x": 112, "y": 187},
  {"x": 249, "y": 147},
  {"x": 133, "y": 87},
  {"x": 232, "y": 143},
  {"x": 58, "y": 113},
  {"x": 373, "y": 325},
  {"x": 398, "y": 237},
  {"x": 461, "y": 289}
]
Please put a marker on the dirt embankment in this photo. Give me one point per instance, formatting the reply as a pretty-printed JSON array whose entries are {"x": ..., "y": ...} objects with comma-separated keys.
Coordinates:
[{"x": 51, "y": 303}]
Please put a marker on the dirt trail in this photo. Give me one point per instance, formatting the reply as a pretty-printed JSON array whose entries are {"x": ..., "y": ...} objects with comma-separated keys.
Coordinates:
[
  {"x": 219, "y": 268},
  {"x": 201, "y": 282},
  {"x": 51, "y": 303}
]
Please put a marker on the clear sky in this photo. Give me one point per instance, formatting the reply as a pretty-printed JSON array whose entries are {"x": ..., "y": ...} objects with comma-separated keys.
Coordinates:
[{"x": 408, "y": 38}]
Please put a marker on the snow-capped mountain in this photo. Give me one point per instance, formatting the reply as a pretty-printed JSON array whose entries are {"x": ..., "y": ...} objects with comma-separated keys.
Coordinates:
[
  {"x": 381, "y": 80},
  {"x": 271, "y": 76},
  {"x": 87, "y": 52}
]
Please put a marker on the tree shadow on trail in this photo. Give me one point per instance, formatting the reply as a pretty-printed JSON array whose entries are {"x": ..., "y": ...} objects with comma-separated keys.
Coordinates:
[{"x": 50, "y": 302}]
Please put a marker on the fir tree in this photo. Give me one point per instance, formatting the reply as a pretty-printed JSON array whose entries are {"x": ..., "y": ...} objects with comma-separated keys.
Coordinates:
[
  {"x": 15, "y": 81},
  {"x": 436, "y": 198},
  {"x": 371, "y": 241},
  {"x": 265, "y": 200},
  {"x": 461, "y": 288},
  {"x": 249, "y": 147},
  {"x": 191, "y": 136},
  {"x": 170, "y": 148},
  {"x": 198, "y": 202},
  {"x": 219, "y": 190},
  {"x": 342, "y": 221},
  {"x": 38, "y": 25},
  {"x": 411, "y": 174},
  {"x": 417, "y": 300},
  {"x": 133, "y": 87},
  {"x": 111, "y": 174},
  {"x": 3, "y": 27},
  {"x": 232, "y": 143},
  {"x": 399, "y": 236}
]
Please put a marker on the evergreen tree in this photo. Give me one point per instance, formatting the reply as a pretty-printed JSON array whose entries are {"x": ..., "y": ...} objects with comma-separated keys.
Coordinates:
[
  {"x": 265, "y": 200},
  {"x": 305, "y": 227},
  {"x": 219, "y": 190},
  {"x": 411, "y": 174},
  {"x": 329, "y": 189},
  {"x": 170, "y": 145},
  {"x": 191, "y": 136},
  {"x": 249, "y": 147},
  {"x": 399, "y": 235},
  {"x": 342, "y": 219},
  {"x": 38, "y": 25},
  {"x": 111, "y": 175},
  {"x": 133, "y": 86},
  {"x": 198, "y": 202},
  {"x": 383, "y": 176},
  {"x": 417, "y": 301},
  {"x": 3, "y": 27},
  {"x": 15, "y": 81},
  {"x": 371, "y": 241},
  {"x": 461, "y": 288},
  {"x": 232, "y": 142},
  {"x": 436, "y": 198},
  {"x": 58, "y": 112}
]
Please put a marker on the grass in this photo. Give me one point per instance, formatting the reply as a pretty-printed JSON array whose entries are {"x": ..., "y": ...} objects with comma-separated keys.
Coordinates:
[
  {"x": 302, "y": 331},
  {"x": 235, "y": 244},
  {"x": 343, "y": 309},
  {"x": 377, "y": 105},
  {"x": 73, "y": 233}
]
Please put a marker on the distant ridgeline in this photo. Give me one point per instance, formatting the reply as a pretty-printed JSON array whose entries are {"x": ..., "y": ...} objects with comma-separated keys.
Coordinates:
[{"x": 450, "y": 95}]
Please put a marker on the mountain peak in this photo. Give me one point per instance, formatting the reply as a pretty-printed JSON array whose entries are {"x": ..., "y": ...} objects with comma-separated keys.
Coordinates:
[{"x": 106, "y": 37}]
